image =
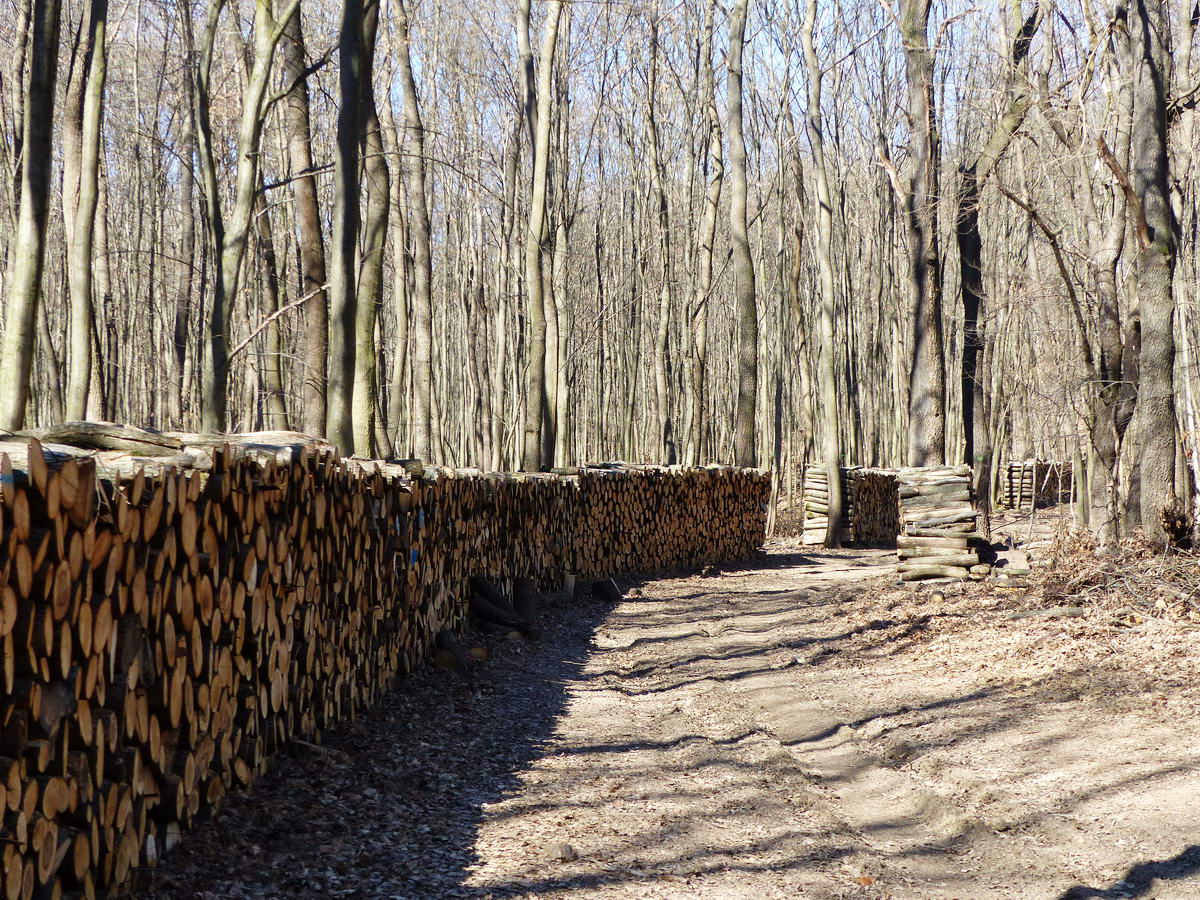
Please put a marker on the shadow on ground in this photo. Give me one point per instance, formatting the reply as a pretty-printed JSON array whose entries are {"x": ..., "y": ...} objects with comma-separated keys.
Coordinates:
[{"x": 395, "y": 804}]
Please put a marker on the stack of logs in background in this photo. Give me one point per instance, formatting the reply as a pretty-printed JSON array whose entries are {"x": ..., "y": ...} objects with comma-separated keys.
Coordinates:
[
  {"x": 173, "y": 610},
  {"x": 939, "y": 524},
  {"x": 1035, "y": 484},
  {"x": 870, "y": 506}
]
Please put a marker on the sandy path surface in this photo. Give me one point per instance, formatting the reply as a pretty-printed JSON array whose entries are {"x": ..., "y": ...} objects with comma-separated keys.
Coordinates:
[{"x": 796, "y": 728}]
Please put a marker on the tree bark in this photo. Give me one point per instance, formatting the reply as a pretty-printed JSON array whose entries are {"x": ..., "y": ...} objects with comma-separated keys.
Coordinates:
[
  {"x": 1155, "y": 266},
  {"x": 24, "y": 281},
  {"x": 85, "y": 109},
  {"x": 831, "y": 450},
  {"x": 419, "y": 227},
  {"x": 533, "y": 453},
  {"x": 374, "y": 239},
  {"x": 927, "y": 370},
  {"x": 308, "y": 229},
  {"x": 745, "y": 445},
  {"x": 343, "y": 305}
]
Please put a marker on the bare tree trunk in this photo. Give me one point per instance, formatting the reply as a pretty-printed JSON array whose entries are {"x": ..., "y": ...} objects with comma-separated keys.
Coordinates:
[
  {"x": 972, "y": 177},
  {"x": 186, "y": 263},
  {"x": 504, "y": 279},
  {"x": 743, "y": 262},
  {"x": 228, "y": 236},
  {"x": 831, "y": 449},
  {"x": 343, "y": 305},
  {"x": 401, "y": 272},
  {"x": 81, "y": 133},
  {"x": 272, "y": 372},
  {"x": 714, "y": 168},
  {"x": 663, "y": 449},
  {"x": 1155, "y": 265},
  {"x": 309, "y": 231},
  {"x": 532, "y": 457},
  {"x": 419, "y": 228},
  {"x": 927, "y": 373},
  {"x": 29, "y": 245},
  {"x": 370, "y": 276},
  {"x": 561, "y": 451}
]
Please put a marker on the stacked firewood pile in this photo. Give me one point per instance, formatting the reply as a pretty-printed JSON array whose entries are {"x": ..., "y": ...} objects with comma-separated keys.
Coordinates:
[
  {"x": 870, "y": 500},
  {"x": 816, "y": 505},
  {"x": 938, "y": 524},
  {"x": 1036, "y": 484},
  {"x": 174, "y": 609}
]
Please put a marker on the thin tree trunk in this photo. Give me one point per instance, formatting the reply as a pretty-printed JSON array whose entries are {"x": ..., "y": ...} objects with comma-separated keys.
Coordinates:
[
  {"x": 297, "y": 121},
  {"x": 419, "y": 227},
  {"x": 401, "y": 272},
  {"x": 743, "y": 262},
  {"x": 714, "y": 168},
  {"x": 186, "y": 262},
  {"x": 972, "y": 177},
  {"x": 85, "y": 108},
  {"x": 228, "y": 235},
  {"x": 276, "y": 417}
]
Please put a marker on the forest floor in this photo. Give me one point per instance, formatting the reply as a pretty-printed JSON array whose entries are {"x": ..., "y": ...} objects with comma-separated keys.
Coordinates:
[{"x": 801, "y": 726}]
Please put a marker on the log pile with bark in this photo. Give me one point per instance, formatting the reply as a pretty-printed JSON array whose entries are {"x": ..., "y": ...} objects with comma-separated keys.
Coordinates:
[
  {"x": 816, "y": 506},
  {"x": 939, "y": 536},
  {"x": 871, "y": 512},
  {"x": 1036, "y": 484},
  {"x": 174, "y": 609}
]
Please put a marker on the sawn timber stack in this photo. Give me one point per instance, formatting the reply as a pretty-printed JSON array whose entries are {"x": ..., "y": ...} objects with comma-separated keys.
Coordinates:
[
  {"x": 871, "y": 511},
  {"x": 1035, "y": 484},
  {"x": 939, "y": 535},
  {"x": 169, "y": 620}
]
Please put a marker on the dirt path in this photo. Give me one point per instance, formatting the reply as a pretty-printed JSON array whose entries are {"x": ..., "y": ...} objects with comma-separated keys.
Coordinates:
[{"x": 796, "y": 729}]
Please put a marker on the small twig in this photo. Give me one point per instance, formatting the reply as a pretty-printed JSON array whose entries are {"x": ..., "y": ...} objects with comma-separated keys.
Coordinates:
[{"x": 272, "y": 317}]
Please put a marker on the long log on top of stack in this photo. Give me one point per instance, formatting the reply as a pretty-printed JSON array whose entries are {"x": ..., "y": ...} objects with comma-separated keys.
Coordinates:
[
  {"x": 175, "y": 608},
  {"x": 938, "y": 524}
]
